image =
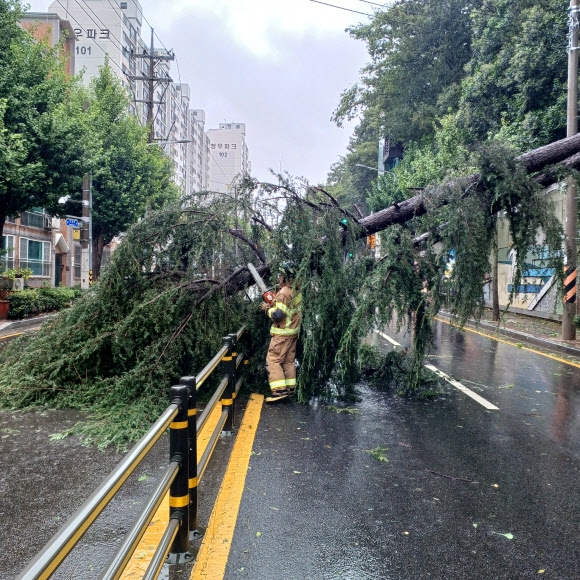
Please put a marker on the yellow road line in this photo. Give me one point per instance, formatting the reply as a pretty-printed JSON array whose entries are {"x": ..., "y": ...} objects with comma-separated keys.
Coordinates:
[
  {"x": 11, "y": 335},
  {"x": 556, "y": 358},
  {"x": 215, "y": 548},
  {"x": 139, "y": 562}
]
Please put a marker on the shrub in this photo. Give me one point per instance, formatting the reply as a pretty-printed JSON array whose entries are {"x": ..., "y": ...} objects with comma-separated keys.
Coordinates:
[{"x": 33, "y": 302}]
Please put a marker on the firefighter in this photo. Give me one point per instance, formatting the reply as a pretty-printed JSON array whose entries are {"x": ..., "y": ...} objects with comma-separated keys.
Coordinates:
[{"x": 285, "y": 316}]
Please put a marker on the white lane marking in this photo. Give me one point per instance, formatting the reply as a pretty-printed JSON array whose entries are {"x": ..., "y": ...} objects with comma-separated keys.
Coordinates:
[
  {"x": 463, "y": 389},
  {"x": 391, "y": 340}
]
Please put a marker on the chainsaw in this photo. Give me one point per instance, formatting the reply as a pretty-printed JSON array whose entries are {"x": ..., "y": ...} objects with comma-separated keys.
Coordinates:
[{"x": 268, "y": 294}]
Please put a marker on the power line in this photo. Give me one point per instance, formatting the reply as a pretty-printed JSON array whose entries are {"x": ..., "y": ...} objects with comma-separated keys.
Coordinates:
[
  {"x": 373, "y": 3},
  {"x": 342, "y": 8}
]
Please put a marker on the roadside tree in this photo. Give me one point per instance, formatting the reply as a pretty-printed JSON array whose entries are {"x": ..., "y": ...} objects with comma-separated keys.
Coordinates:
[{"x": 42, "y": 150}]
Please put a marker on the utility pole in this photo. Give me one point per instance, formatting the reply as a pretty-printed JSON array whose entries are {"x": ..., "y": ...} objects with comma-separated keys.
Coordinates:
[
  {"x": 86, "y": 266},
  {"x": 151, "y": 79},
  {"x": 571, "y": 229}
]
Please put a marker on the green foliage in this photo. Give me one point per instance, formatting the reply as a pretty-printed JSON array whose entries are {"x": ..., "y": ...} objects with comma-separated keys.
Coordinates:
[
  {"x": 33, "y": 302},
  {"x": 158, "y": 313},
  {"x": 128, "y": 173},
  {"x": 516, "y": 80},
  {"x": 417, "y": 54},
  {"x": 436, "y": 158},
  {"x": 9, "y": 274},
  {"x": 41, "y": 138}
]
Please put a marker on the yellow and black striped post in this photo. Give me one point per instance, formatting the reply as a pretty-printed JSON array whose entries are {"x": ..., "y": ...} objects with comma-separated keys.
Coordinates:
[
  {"x": 570, "y": 275},
  {"x": 179, "y": 490},
  {"x": 234, "y": 376},
  {"x": 189, "y": 382},
  {"x": 228, "y": 364}
]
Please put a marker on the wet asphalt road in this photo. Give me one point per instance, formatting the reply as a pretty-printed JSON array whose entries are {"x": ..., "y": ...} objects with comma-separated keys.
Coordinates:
[
  {"x": 43, "y": 481},
  {"x": 318, "y": 505},
  {"x": 461, "y": 492}
]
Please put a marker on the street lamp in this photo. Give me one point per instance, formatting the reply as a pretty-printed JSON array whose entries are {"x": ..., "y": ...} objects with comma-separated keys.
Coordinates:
[{"x": 369, "y": 167}]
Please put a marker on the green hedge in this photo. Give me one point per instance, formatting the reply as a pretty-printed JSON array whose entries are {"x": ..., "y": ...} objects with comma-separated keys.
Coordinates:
[{"x": 34, "y": 302}]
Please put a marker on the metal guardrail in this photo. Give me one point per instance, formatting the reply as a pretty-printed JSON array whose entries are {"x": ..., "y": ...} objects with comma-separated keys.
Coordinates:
[{"x": 181, "y": 478}]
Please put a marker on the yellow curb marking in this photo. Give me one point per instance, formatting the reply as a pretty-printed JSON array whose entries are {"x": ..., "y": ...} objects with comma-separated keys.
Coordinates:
[
  {"x": 215, "y": 547},
  {"x": 11, "y": 335},
  {"x": 556, "y": 358},
  {"x": 139, "y": 562}
]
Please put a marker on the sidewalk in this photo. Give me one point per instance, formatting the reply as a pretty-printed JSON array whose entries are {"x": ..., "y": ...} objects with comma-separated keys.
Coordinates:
[
  {"x": 9, "y": 326},
  {"x": 542, "y": 333}
]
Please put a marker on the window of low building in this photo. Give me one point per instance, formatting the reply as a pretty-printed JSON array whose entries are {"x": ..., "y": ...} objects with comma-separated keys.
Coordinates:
[
  {"x": 36, "y": 255},
  {"x": 7, "y": 256}
]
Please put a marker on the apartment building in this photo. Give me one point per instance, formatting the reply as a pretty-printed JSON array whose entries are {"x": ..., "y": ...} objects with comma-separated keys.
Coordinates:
[
  {"x": 199, "y": 154},
  {"x": 229, "y": 156},
  {"x": 112, "y": 29}
]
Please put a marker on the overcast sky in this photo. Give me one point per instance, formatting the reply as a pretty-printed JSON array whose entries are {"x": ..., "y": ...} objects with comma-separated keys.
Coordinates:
[{"x": 277, "y": 65}]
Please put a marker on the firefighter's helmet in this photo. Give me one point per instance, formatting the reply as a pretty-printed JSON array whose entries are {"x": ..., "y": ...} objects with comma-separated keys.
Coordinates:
[{"x": 288, "y": 270}]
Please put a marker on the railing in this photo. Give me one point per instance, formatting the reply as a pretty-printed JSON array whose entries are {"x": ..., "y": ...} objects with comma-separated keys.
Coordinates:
[{"x": 181, "y": 477}]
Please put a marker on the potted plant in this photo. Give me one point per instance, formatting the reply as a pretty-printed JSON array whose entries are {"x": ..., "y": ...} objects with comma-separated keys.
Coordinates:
[
  {"x": 4, "y": 303},
  {"x": 25, "y": 273}
]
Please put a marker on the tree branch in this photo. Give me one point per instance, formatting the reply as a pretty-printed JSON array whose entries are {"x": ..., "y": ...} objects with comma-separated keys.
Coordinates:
[{"x": 241, "y": 236}]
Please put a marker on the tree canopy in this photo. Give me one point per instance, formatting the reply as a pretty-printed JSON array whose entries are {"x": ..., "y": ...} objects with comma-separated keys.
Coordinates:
[
  {"x": 129, "y": 174},
  {"x": 42, "y": 147}
]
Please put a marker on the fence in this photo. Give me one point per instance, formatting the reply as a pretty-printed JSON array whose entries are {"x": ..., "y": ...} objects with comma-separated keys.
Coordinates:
[{"x": 181, "y": 478}]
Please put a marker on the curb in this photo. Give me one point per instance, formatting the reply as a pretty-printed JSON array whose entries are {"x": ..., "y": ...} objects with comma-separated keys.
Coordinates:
[
  {"x": 529, "y": 338},
  {"x": 26, "y": 322}
]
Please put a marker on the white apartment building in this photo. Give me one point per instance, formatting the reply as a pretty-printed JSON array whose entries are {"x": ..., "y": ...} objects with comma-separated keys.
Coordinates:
[
  {"x": 113, "y": 28},
  {"x": 199, "y": 158},
  {"x": 229, "y": 157}
]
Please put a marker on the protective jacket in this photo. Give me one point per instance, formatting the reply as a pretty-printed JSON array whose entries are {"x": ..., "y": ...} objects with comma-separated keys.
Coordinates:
[{"x": 285, "y": 313}]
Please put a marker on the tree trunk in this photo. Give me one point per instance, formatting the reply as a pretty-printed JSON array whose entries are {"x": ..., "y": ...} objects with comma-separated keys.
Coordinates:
[
  {"x": 564, "y": 152},
  {"x": 494, "y": 279},
  {"x": 98, "y": 246}
]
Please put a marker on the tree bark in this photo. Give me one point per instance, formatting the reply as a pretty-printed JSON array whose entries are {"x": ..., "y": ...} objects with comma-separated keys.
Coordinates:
[
  {"x": 494, "y": 279},
  {"x": 98, "y": 246},
  {"x": 565, "y": 153}
]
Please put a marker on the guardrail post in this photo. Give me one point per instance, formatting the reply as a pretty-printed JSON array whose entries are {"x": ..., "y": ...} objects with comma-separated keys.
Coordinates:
[
  {"x": 228, "y": 366},
  {"x": 179, "y": 491},
  {"x": 189, "y": 382},
  {"x": 234, "y": 337}
]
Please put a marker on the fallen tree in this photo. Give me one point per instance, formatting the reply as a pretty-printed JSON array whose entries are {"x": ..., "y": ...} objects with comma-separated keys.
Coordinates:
[
  {"x": 565, "y": 154},
  {"x": 178, "y": 283}
]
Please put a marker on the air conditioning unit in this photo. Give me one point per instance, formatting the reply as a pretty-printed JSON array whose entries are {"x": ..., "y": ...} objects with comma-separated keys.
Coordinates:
[{"x": 51, "y": 223}]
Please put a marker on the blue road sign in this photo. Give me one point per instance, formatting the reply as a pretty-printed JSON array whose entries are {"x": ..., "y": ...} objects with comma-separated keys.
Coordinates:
[{"x": 73, "y": 223}]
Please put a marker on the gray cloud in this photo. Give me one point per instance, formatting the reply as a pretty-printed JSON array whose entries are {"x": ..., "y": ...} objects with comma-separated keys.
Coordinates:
[{"x": 286, "y": 103}]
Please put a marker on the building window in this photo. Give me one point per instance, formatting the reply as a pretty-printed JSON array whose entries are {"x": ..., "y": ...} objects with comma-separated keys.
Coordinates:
[
  {"x": 78, "y": 262},
  {"x": 32, "y": 219},
  {"x": 35, "y": 255},
  {"x": 7, "y": 255},
  {"x": 123, "y": 5}
]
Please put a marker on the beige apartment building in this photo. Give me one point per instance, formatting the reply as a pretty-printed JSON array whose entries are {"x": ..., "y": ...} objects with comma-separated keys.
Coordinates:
[{"x": 229, "y": 156}]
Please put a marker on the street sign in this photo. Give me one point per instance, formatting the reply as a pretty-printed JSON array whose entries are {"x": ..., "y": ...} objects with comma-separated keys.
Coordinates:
[{"x": 73, "y": 223}]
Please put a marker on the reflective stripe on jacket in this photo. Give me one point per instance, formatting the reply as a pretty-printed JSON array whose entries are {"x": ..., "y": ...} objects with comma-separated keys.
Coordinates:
[{"x": 289, "y": 306}]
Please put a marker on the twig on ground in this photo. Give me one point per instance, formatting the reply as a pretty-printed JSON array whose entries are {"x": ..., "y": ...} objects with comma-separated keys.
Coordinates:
[{"x": 451, "y": 477}]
